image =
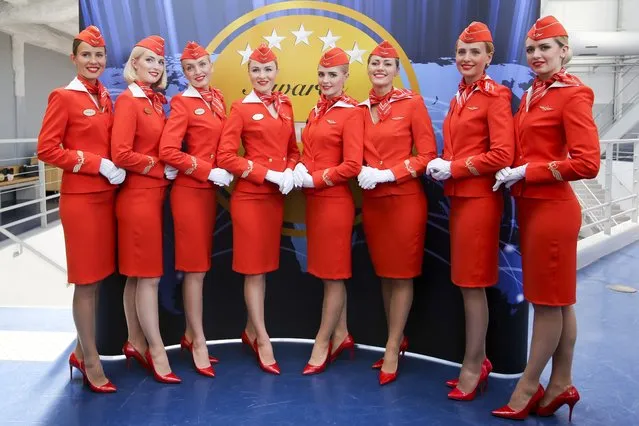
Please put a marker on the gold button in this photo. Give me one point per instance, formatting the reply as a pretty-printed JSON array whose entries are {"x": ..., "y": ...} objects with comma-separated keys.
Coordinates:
[
  {"x": 381, "y": 162},
  {"x": 212, "y": 156},
  {"x": 284, "y": 158},
  {"x": 270, "y": 160}
]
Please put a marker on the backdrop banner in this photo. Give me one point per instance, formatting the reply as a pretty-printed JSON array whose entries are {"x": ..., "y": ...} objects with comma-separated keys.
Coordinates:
[{"x": 424, "y": 33}]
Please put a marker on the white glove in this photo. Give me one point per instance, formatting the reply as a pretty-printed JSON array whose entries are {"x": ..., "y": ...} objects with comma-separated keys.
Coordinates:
[
  {"x": 170, "y": 172},
  {"x": 298, "y": 174},
  {"x": 369, "y": 177},
  {"x": 117, "y": 176},
  {"x": 274, "y": 177},
  {"x": 509, "y": 176},
  {"x": 307, "y": 181},
  {"x": 106, "y": 167},
  {"x": 288, "y": 181},
  {"x": 220, "y": 177},
  {"x": 439, "y": 169},
  {"x": 114, "y": 174}
]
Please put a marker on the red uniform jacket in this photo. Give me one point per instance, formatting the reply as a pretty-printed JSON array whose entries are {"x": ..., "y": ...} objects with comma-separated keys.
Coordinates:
[
  {"x": 135, "y": 140},
  {"x": 333, "y": 149},
  {"x": 479, "y": 141},
  {"x": 389, "y": 145},
  {"x": 193, "y": 121},
  {"x": 269, "y": 144},
  {"x": 75, "y": 137},
  {"x": 558, "y": 139}
]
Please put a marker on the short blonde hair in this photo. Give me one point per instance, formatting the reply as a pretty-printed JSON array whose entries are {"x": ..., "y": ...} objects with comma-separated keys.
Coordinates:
[
  {"x": 563, "y": 41},
  {"x": 130, "y": 75}
]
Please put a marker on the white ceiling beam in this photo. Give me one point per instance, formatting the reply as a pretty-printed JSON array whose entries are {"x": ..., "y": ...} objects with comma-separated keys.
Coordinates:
[
  {"x": 39, "y": 12},
  {"x": 38, "y": 35}
]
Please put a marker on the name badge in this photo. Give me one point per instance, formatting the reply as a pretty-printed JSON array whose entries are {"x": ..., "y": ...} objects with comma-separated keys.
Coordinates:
[
  {"x": 258, "y": 117},
  {"x": 199, "y": 111},
  {"x": 89, "y": 112}
]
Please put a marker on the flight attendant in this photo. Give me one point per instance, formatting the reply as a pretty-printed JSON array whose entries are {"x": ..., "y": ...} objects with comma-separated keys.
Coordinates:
[
  {"x": 478, "y": 141},
  {"x": 264, "y": 122},
  {"x": 75, "y": 137},
  {"x": 333, "y": 149},
  {"x": 197, "y": 118},
  {"x": 557, "y": 142},
  {"x": 394, "y": 204},
  {"x": 137, "y": 129}
]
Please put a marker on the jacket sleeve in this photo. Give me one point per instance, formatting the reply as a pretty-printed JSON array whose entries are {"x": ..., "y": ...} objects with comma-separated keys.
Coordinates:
[
  {"x": 171, "y": 143},
  {"x": 582, "y": 140},
  {"x": 292, "y": 151},
  {"x": 51, "y": 148},
  {"x": 424, "y": 141},
  {"x": 122, "y": 137},
  {"x": 352, "y": 153},
  {"x": 501, "y": 137},
  {"x": 227, "y": 150}
]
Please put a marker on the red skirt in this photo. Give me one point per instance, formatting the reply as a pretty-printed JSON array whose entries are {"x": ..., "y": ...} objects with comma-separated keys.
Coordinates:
[
  {"x": 548, "y": 233},
  {"x": 395, "y": 229},
  {"x": 139, "y": 213},
  {"x": 329, "y": 230},
  {"x": 88, "y": 222},
  {"x": 193, "y": 212},
  {"x": 474, "y": 240},
  {"x": 257, "y": 227}
]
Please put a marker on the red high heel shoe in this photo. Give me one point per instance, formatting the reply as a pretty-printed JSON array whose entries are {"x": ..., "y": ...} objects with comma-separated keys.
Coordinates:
[
  {"x": 185, "y": 344},
  {"x": 170, "y": 378},
  {"x": 206, "y": 371},
  {"x": 348, "y": 343},
  {"x": 271, "y": 368},
  {"x": 247, "y": 341},
  {"x": 570, "y": 396},
  {"x": 385, "y": 378},
  {"x": 129, "y": 352},
  {"x": 108, "y": 387},
  {"x": 482, "y": 384},
  {"x": 508, "y": 413},
  {"x": 316, "y": 369},
  {"x": 402, "y": 349},
  {"x": 486, "y": 364}
]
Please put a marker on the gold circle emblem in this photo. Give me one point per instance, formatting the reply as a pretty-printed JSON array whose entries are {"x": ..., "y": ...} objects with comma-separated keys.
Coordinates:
[{"x": 299, "y": 41}]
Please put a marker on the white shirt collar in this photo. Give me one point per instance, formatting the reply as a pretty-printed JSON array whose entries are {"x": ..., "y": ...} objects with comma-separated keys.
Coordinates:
[
  {"x": 342, "y": 104},
  {"x": 137, "y": 92},
  {"x": 77, "y": 86},
  {"x": 252, "y": 98},
  {"x": 191, "y": 92}
]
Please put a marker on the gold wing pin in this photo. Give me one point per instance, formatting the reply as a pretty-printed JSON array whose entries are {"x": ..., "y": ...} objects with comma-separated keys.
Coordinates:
[
  {"x": 473, "y": 108},
  {"x": 331, "y": 121},
  {"x": 545, "y": 108}
]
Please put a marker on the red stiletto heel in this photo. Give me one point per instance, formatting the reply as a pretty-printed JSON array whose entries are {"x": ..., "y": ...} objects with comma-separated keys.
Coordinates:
[
  {"x": 271, "y": 368},
  {"x": 206, "y": 371},
  {"x": 347, "y": 344},
  {"x": 247, "y": 341},
  {"x": 508, "y": 413},
  {"x": 570, "y": 396},
  {"x": 170, "y": 378},
  {"x": 108, "y": 387},
  {"x": 316, "y": 369},
  {"x": 403, "y": 347},
  {"x": 129, "y": 352},
  {"x": 486, "y": 364}
]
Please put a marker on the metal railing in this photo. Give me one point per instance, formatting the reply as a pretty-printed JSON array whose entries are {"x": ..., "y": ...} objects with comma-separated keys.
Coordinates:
[
  {"x": 605, "y": 220},
  {"x": 609, "y": 115},
  {"x": 598, "y": 217},
  {"x": 21, "y": 183}
]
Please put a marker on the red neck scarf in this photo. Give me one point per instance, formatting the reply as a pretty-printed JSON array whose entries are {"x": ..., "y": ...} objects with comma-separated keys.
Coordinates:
[
  {"x": 156, "y": 98},
  {"x": 384, "y": 102},
  {"x": 324, "y": 103},
  {"x": 275, "y": 98},
  {"x": 540, "y": 87},
  {"x": 215, "y": 99},
  {"x": 484, "y": 84},
  {"x": 99, "y": 91}
]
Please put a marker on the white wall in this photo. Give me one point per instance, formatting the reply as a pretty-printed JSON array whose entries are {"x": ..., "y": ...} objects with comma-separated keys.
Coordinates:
[{"x": 44, "y": 71}]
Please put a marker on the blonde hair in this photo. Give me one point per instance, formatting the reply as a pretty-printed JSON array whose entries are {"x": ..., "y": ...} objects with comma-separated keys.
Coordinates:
[
  {"x": 130, "y": 75},
  {"x": 563, "y": 41}
]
